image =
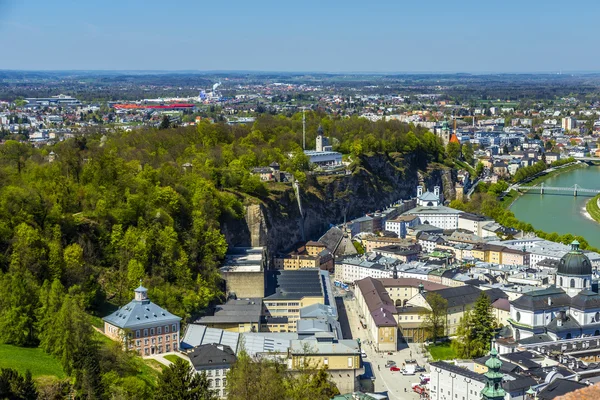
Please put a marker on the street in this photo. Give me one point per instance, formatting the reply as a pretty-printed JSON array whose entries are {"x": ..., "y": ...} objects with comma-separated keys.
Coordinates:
[{"x": 391, "y": 382}]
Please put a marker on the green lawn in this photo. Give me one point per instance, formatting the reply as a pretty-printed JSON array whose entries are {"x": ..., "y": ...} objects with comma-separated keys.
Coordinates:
[
  {"x": 593, "y": 209},
  {"x": 173, "y": 357},
  {"x": 441, "y": 351},
  {"x": 32, "y": 359}
]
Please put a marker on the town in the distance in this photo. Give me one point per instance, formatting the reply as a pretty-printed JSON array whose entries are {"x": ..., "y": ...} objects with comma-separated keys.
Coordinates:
[{"x": 299, "y": 236}]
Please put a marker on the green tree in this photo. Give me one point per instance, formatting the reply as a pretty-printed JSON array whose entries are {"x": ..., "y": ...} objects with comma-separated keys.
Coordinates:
[
  {"x": 485, "y": 322},
  {"x": 434, "y": 318},
  {"x": 179, "y": 382},
  {"x": 463, "y": 343},
  {"x": 479, "y": 169},
  {"x": 69, "y": 334},
  {"x": 15, "y": 386},
  {"x": 15, "y": 153},
  {"x": 453, "y": 150},
  {"x": 18, "y": 305},
  {"x": 260, "y": 379},
  {"x": 165, "y": 123},
  {"x": 468, "y": 153}
]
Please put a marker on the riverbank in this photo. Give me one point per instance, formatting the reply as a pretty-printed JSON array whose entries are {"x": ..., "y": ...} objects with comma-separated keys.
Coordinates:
[
  {"x": 557, "y": 171},
  {"x": 592, "y": 209}
]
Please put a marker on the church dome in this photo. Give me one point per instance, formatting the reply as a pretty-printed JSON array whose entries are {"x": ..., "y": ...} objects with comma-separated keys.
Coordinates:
[{"x": 574, "y": 262}]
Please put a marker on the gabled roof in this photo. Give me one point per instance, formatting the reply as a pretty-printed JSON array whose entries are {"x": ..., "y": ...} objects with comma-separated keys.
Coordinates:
[
  {"x": 559, "y": 387},
  {"x": 378, "y": 302},
  {"x": 463, "y": 295},
  {"x": 538, "y": 299},
  {"x": 211, "y": 355}
]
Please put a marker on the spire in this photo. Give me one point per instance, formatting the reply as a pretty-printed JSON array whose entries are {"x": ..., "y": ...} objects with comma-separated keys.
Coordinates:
[
  {"x": 574, "y": 245},
  {"x": 493, "y": 388}
]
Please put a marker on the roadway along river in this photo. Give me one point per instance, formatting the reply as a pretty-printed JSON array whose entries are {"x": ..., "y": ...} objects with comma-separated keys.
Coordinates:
[{"x": 561, "y": 212}]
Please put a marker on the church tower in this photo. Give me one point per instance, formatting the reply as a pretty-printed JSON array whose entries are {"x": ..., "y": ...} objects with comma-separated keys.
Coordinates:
[
  {"x": 493, "y": 387},
  {"x": 320, "y": 139}
]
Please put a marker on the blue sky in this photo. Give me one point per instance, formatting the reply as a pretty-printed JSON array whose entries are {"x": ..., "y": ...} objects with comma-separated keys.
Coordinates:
[{"x": 324, "y": 35}]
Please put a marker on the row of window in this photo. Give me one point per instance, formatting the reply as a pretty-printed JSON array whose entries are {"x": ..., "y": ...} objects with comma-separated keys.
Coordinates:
[
  {"x": 138, "y": 342},
  {"x": 216, "y": 372},
  {"x": 217, "y": 382},
  {"x": 156, "y": 331}
]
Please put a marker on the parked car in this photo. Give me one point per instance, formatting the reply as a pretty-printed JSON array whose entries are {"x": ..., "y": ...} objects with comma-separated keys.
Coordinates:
[
  {"x": 395, "y": 369},
  {"x": 390, "y": 363},
  {"x": 409, "y": 361},
  {"x": 420, "y": 368}
]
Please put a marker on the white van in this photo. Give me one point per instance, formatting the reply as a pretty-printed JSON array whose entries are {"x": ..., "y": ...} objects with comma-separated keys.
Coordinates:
[{"x": 408, "y": 370}]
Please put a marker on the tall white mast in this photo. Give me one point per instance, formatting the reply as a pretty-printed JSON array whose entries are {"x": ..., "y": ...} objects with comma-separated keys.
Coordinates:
[{"x": 304, "y": 129}]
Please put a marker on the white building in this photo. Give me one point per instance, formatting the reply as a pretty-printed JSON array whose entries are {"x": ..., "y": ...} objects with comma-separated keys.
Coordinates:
[
  {"x": 569, "y": 310},
  {"x": 400, "y": 224},
  {"x": 352, "y": 269},
  {"x": 451, "y": 382},
  {"x": 430, "y": 211},
  {"x": 214, "y": 360}
]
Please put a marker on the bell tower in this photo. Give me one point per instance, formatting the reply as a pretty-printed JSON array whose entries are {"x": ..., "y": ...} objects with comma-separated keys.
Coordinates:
[{"x": 493, "y": 387}]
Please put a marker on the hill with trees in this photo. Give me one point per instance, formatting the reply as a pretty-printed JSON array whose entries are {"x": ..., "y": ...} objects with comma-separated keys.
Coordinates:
[{"x": 79, "y": 230}]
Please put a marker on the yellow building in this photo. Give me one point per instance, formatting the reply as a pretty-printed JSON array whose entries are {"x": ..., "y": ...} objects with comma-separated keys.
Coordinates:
[
  {"x": 370, "y": 244},
  {"x": 292, "y": 290},
  {"x": 459, "y": 300},
  {"x": 378, "y": 314},
  {"x": 489, "y": 253},
  {"x": 341, "y": 357}
]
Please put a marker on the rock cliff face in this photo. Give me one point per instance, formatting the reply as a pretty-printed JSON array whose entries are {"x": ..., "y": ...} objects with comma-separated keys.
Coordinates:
[{"x": 375, "y": 182}]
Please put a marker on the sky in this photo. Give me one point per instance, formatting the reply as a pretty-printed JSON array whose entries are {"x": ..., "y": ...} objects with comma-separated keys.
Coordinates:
[{"x": 313, "y": 36}]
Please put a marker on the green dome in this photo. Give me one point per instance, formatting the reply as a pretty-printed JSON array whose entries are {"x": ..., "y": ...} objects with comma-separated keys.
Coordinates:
[
  {"x": 493, "y": 363},
  {"x": 575, "y": 262}
]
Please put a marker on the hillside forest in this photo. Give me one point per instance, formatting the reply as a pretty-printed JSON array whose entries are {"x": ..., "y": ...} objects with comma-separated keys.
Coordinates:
[{"x": 83, "y": 221}]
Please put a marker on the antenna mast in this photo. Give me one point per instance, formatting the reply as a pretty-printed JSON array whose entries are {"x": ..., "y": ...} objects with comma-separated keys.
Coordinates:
[{"x": 304, "y": 129}]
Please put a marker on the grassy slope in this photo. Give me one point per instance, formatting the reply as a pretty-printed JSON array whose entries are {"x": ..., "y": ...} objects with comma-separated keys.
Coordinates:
[
  {"x": 593, "y": 209},
  {"x": 172, "y": 357},
  {"x": 441, "y": 352},
  {"x": 32, "y": 359}
]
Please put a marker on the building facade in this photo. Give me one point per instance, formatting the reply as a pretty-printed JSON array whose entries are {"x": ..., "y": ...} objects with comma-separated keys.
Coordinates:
[{"x": 143, "y": 326}]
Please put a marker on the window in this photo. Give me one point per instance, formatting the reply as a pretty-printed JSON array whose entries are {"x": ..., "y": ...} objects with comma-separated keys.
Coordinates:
[
  {"x": 159, "y": 330},
  {"x": 217, "y": 382},
  {"x": 210, "y": 383},
  {"x": 217, "y": 372},
  {"x": 350, "y": 362},
  {"x": 153, "y": 340},
  {"x": 175, "y": 336},
  {"x": 572, "y": 283},
  {"x": 325, "y": 361},
  {"x": 146, "y": 332},
  {"x": 174, "y": 328},
  {"x": 138, "y": 343},
  {"x": 166, "y": 328},
  {"x": 160, "y": 339},
  {"x": 137, "y": 334},
  {"x": 209, "y": 372},
  {"x": 518, "y": 316},
  {"x": 146, "y": 342},
  {"x": 224, "y": 383},
  {"x": 167, "y": 338},
  {"x": 152, "y": 331}
]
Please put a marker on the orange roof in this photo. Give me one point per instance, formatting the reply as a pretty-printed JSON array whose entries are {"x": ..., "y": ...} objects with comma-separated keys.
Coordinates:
[{"x": 454, "y": 139}]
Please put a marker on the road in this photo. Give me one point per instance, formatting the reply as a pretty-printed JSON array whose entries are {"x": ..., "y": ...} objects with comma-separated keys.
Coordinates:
[{"x": 393, "y": 383}]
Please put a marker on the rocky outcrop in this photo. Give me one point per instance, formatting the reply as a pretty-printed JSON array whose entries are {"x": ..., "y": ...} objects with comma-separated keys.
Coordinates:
[{"x": 375, "y": 182}]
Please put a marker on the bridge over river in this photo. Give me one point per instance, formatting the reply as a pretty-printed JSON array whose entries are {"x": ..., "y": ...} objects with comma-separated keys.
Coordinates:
[{"x": 543, "y": 189}]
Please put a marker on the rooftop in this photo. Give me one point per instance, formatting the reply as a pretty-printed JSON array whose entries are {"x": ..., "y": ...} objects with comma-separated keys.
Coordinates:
[
  {"x": 378, "y": 302},
  {"x": 211, "y": 355}
]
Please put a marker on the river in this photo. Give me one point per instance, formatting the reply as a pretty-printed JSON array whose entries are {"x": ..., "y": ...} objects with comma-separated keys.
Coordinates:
[{"x": 561, "y": 212}]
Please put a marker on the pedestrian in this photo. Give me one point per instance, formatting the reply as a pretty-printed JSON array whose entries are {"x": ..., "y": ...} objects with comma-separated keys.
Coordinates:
[{"x": 411, "y": 354}]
